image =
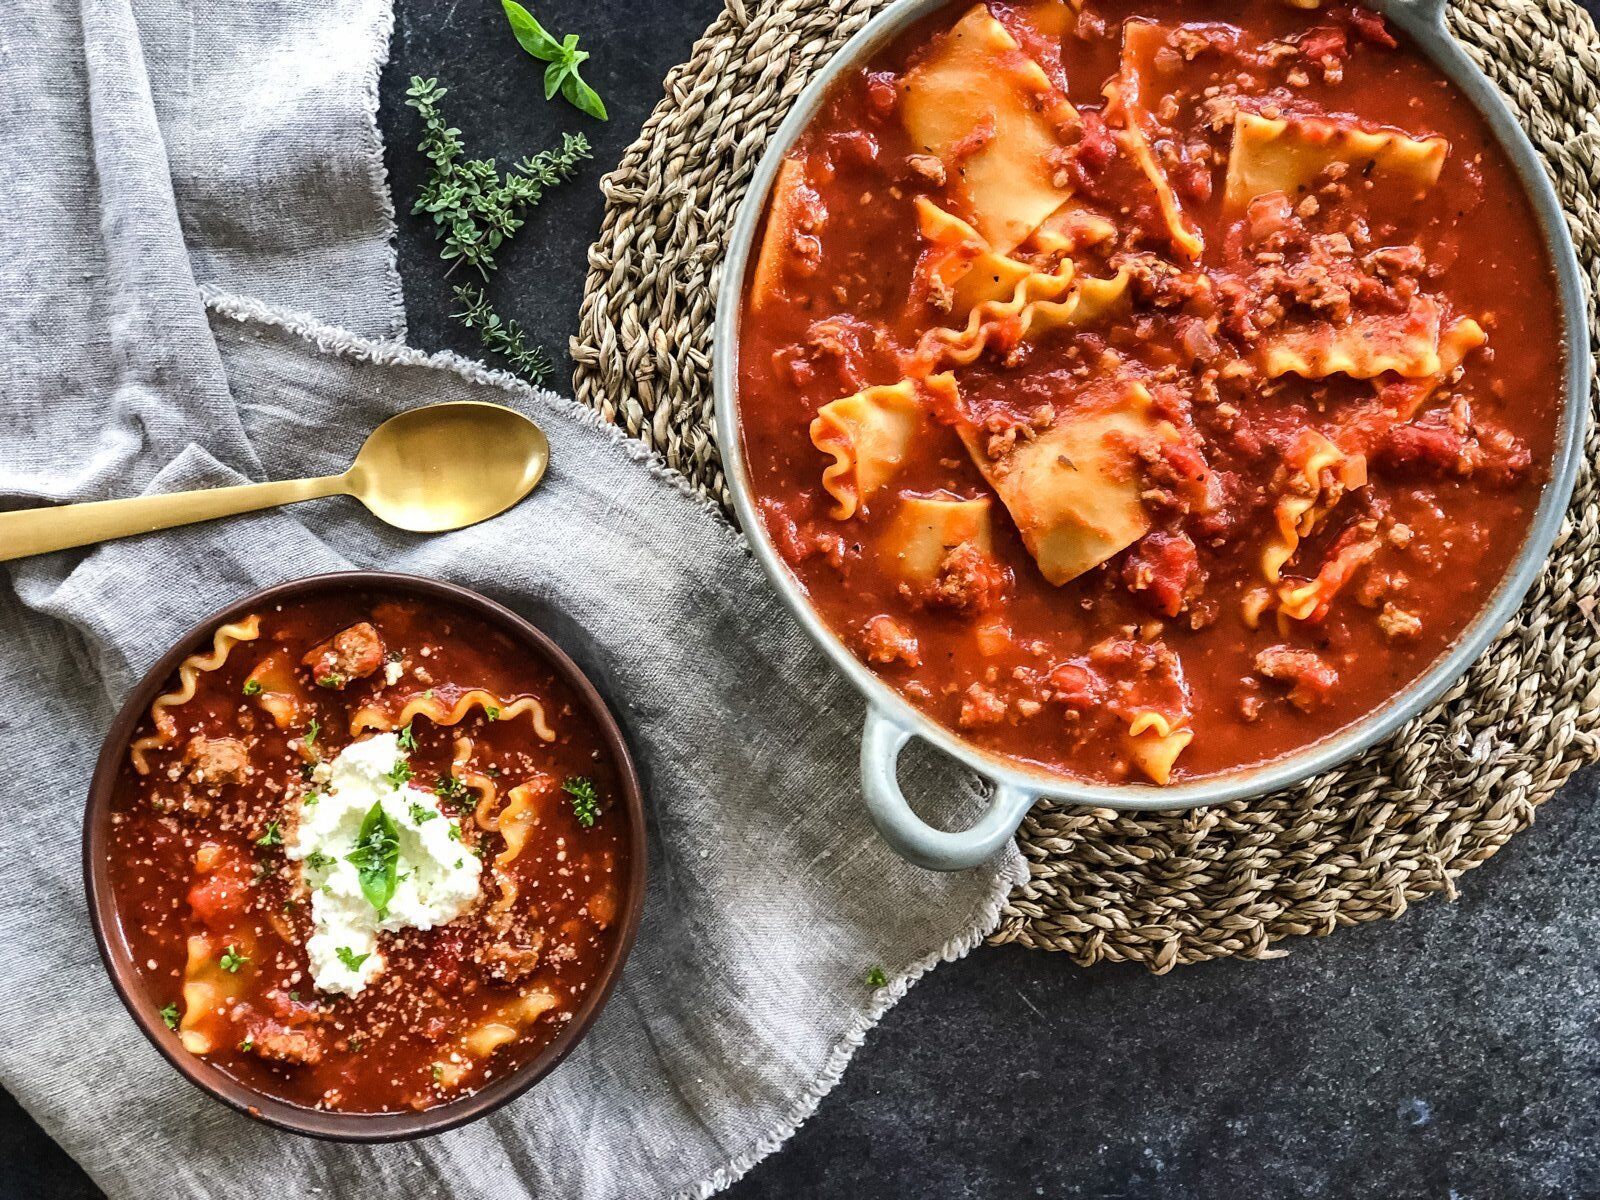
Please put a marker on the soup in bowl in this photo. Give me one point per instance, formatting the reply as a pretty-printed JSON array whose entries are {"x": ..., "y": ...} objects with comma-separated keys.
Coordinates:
[{"x": 365, "y": 855}]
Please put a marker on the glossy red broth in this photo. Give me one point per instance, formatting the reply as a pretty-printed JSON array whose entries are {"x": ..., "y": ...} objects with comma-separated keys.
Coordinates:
[
  {"x": 1186, "y": 648},
  {"x": 218, "y": 900}
]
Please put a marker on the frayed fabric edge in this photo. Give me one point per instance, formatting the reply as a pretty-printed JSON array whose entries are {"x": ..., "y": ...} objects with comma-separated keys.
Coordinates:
[
  {"x": 330, "y": 339},
  {"x": 988, "y": 919},
  {"x": 381, "y": 34}
]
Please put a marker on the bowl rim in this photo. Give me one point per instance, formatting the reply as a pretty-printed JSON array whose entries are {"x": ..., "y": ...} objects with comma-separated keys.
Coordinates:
[
  {"x": 126, "y": 976},
  {"x": 1424, "y": 21}
]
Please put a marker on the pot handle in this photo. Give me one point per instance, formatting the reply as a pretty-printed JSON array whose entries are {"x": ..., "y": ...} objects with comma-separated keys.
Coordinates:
[
  {"x": 882, "y": 740},
  {"x": 1431, "y": 11}
]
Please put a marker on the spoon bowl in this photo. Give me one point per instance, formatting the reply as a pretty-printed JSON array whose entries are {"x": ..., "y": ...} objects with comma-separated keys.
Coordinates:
[
  {"x": 443, "y": 466},
  {"x": 448, "y": 466}
]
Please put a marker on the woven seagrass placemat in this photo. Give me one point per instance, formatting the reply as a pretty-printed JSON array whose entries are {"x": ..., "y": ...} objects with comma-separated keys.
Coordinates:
[{"x": 1353, "y": 845}]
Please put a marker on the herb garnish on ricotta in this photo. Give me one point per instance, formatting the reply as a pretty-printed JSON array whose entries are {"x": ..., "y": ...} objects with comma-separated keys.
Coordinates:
[{"x": 375, "y": 862}]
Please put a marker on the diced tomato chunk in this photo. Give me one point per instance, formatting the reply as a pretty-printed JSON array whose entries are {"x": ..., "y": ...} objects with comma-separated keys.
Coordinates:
[
  {"x": 1096, "y": 148},
  {"x": 223, "y": 893},
  {"x": 1075, "y": 685},
  {"x": 1435, "y": 446},
  {"x": 1325, "y": 41},
  {"x": 1164, "y": 569},
  {"x": 1371, "y": 27},
  {"x": 883, "y": 98}
]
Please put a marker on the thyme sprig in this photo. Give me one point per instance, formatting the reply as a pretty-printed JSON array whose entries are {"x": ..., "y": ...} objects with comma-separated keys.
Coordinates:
[
  {"x": 476, "y": 209},
  {"x": 502, "y": 335}
]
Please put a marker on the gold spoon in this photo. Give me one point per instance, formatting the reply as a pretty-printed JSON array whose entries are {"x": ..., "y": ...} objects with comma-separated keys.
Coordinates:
[{"x": 444, "y": 466}]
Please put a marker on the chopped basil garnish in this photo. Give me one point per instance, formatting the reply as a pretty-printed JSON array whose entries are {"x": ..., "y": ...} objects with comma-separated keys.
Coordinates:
[
  {"x": 350, "y": 958},
  {"x": 585, "y": 804},
  {"x": 376, "y": 857}
]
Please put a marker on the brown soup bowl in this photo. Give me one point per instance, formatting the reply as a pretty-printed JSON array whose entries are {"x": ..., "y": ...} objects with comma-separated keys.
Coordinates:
[{"x": 129, "y": 979}]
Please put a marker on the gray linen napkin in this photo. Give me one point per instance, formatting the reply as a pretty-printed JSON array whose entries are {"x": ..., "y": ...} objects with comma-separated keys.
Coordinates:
[{"x": 158, "y": 148}]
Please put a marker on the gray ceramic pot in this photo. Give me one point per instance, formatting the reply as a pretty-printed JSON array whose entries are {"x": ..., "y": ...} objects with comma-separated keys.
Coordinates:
[{"x": 891, "y": 722}]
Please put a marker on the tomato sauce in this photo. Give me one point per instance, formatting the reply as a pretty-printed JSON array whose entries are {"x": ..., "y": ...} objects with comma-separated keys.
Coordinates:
[
  {"x": 217, "y": 914},
  {"x": 1414, "y": 527}
]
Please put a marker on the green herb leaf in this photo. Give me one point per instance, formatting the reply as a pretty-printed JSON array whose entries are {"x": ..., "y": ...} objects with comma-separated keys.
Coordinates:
[
  {"x": 453, "y": 792},
  {"x": 312, "y": 729},
  {"x": 407, "y": 739},
  {"x": 169, "y": 1016},
  {"x": 247, "y": 1045},
  {"x": 252, "y": 687},
  {"x": 492, "y": 712},
  {"x": 376, "y": 857},
  {"x": 232, "y": 960},
  {"x": 350, "y": 958},
  {"x": 585, "y": 804},
  {"x": 399, "y": 774},
  {"x": 455, "y": 831},
  {"x": 473, "y": 207},
  {"x": 421, "y": 813},
  {"x": 317, "y": 860},
  {"x": 503, "y": 336},
  {"x": 333, "y": 680},
  {"x": 583, "y": 97},
  {"x": 876, "y": 978},
  {"x": 529, "y": 33},
  {"x": 564, "y": 58},
  {"x": 272, "y": 837}
]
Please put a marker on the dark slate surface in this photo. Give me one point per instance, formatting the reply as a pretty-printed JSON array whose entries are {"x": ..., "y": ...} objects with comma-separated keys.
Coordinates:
[{"x": 1452, "y": 1054}]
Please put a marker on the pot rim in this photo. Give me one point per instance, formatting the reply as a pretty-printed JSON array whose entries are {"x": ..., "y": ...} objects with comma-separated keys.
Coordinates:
[
  {"x": 1423, "y": 20},
  {"x": 127, "y": 978}
]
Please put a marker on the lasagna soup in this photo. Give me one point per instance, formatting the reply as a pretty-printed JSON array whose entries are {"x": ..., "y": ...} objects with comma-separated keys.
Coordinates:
[
  {"x": 1146, "y": 390},
  {"x": 364, "y": 853}
]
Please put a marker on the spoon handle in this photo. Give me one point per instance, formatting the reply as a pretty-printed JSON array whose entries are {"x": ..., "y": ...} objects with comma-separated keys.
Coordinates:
[{"x": 41, "y": 530}]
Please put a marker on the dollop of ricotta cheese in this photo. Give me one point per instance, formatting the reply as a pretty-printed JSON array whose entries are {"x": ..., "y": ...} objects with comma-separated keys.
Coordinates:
[{"x": 437, "y": 877}]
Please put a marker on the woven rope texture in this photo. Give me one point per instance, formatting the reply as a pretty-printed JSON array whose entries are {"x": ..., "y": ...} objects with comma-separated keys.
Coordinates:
[{"x": 1356, "y": 844}]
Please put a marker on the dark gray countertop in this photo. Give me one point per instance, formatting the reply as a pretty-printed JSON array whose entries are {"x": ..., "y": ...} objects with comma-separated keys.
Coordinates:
[{"x": 1455, "y": 1053}]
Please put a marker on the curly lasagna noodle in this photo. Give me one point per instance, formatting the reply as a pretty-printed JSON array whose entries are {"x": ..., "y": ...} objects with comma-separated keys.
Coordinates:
[
  {"x": 363, "y": 853},
  {"x": 1147, "y": 390}
]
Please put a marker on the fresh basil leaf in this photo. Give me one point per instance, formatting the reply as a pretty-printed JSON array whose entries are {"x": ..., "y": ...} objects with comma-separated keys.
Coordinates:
[
  {"x": 583, "y": 97},
  {"x": 553, "y": 75},
  {"x": 377, "y": 857},
  {"x": 529, "y": 33}
]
